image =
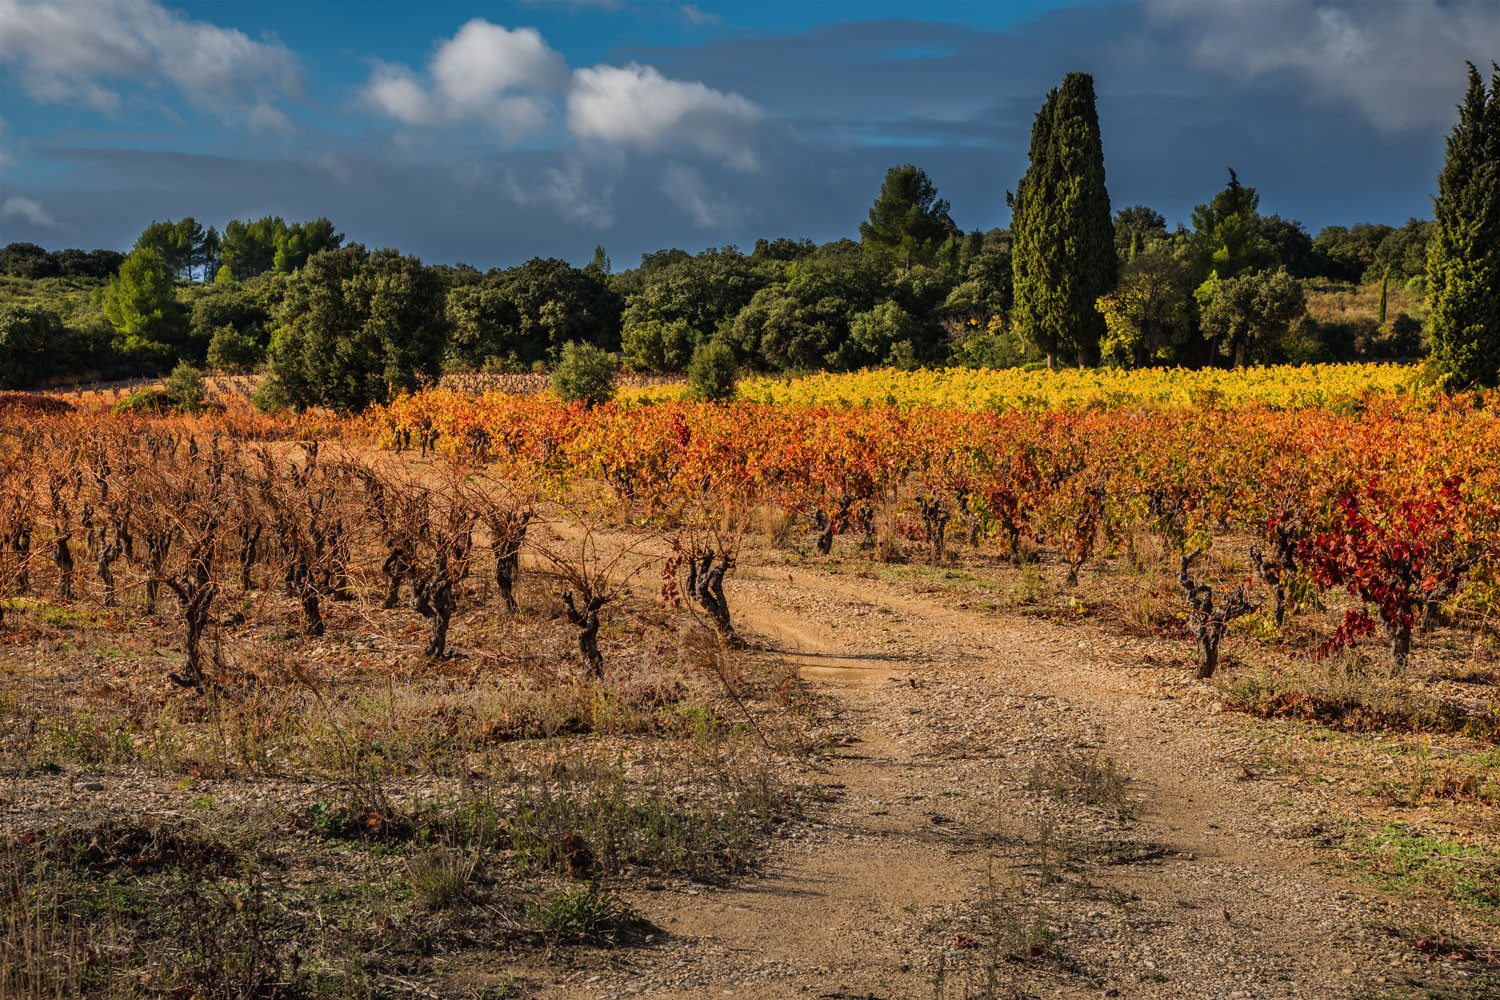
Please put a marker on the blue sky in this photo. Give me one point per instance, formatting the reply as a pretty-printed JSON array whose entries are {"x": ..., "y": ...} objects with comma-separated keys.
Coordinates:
[{"x": 492, "y": 132}]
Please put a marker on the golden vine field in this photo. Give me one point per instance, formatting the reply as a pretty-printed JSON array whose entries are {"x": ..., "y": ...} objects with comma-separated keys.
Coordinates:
[{"x": 982, "y": 389}]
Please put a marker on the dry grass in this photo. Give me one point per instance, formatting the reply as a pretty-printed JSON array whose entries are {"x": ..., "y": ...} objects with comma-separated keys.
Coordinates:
[{"x": 1332, "y": 303}]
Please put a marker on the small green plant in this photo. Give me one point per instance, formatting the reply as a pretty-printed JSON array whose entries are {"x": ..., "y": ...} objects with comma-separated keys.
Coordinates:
[
  {"x": 185, "y": 388},
  {"x": 144, "y": 401},
  {"x": 333, "y": 822},
  {"x": 583, "y": 914},
  {"x": 712, "y": 371},
  {"x": 585, "y": 374}
]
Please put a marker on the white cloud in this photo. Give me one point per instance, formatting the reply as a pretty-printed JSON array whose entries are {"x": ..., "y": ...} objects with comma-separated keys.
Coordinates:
[
  {"x": 395, "y": 90},
  {"x": 708, "y": 210},
  {"x": 27, "y": 210},
  {"x": 580, "y": 200},
  {"x": 1400, "y": 65},
  {"x": 81, "y": 53},
  {"x": 697, "y": 16},
  {"x": 483, "y": 61},
  {"x": 635, "y": 105},
  {"x": 500, "y": 76}
]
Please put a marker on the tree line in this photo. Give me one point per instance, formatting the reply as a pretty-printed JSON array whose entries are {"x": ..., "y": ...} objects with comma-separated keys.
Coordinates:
[{"x": 335, "y": 323}]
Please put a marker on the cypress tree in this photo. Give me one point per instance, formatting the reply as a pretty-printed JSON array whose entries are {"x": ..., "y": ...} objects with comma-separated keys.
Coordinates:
[
  {"x": 1385, "y": 284},
  {"x": 1463, "y": 257},
  {"x": 1064, "y": 255}
]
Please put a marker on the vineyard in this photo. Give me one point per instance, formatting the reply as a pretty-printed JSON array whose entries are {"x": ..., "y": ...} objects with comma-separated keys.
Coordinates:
[
  {"x": 492, "y": 654},
  {"x": 979, "y": 389},
  {"x": 1415, "y": 523}
]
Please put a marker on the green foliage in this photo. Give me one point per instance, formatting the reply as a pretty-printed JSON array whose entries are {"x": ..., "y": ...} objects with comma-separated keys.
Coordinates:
[
  {"x": 525, "y": 314},
  {"x": 1362, "y": 252},
  {"x": 1226, "y": 239},
  {"x": 144, "y": 401},
  {"x": 242, "y": 306},
  {"x": 1136, "y": 228},
  {"x": 27, "y": 260},
  {"x": 232, "y": 351},
  {"x": 141, "y": 303},
  {"x": 677, "y": 301},
  {"x": 886, "y": 334},
  {"x": 1463, "y": 261},
  {"x": 782, "y": 249},
  {"x": 987, "y": 287},
  {"x": 183, "y": 246},
  {"x": 355, "y": 328},
  {"x": 185, "y": 388},
  {"x": 658, "y": 346},
  {"x": 269, "y": 396},
  {"x": 795, "y": 324},
  {"x": 29, "y": 341},
  {"x": 712, "y": 372},
  {"x": 1251, "y": 310},
  {"x": 599, "y": 266},
  {"x": 1149, "y": 318},
  {"x": 1385, "y": 281},
  {"x": 997, "y": 345},
  {"x": 251, "y": 248},
  {"x": 908, "y": 223},
  {"x": 1287, "y": 245},
  {"x": 582, "y": 914},
  {"x": 1064, "y": 256},
  {"x": 585, "y": 374}
]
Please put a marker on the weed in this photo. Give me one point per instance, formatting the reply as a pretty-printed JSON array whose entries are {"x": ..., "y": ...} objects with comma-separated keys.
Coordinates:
[
  {"x": 588, "y": 816},
  {"x": 1074, "y": 777},
  {"x": 583, "y": 914},
  {"x": 1402, "y": 858},
  {"x": 441, "y": 877}
]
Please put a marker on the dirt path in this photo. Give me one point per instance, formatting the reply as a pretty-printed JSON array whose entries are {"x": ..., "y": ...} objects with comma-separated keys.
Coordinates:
[{"x": 971, "y": 803}]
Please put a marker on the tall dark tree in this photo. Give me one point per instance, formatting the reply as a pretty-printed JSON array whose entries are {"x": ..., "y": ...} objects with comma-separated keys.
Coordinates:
[
  {"x": 908, "y": 223},
  {"x": 1064, "y": 253},
  {"x": 1463, "y": 256}
]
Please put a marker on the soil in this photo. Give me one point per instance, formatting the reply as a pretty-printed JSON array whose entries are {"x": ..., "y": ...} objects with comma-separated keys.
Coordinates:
[{"x": 971, "y": 842}]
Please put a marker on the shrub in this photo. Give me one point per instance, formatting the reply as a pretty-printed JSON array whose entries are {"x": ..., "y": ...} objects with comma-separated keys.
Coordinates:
[
  {"x": 29, "y": 339},
  {"x": 144, "y": 401},
  {"x": 1339, "y": 339},
  {"x": 269, "y": 395},
  {"x": 586, "y": 374},
  {"x": 1402, "y": 340},
  {"x": 25, "y": 402},
  {"x": 711, "y": 374},
  {"x": 232, "y": 351},
  {"x": 185, "y": 388}
]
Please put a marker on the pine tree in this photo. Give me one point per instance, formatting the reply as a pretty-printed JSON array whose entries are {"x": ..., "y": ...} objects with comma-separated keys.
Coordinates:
[
  {"x": 1226, "y": 233},
  {"x": 908, "y": 223},
  {"x": 1463, "y": 257},
  {"x": 1064, "y": 256}
]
